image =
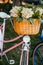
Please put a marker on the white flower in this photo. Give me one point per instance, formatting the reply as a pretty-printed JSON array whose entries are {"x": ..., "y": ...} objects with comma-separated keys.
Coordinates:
[
  {"x": 24, "y": 12},
  {"x": 14, "y": 14},
  {"x": 40, "y": 10},
  {"x": 27, "y": 12},
  {"x": 14, "y": 11}
]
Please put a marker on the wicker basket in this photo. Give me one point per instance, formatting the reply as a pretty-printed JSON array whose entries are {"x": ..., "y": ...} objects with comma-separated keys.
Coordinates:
[{"x": 23, "y": 27}]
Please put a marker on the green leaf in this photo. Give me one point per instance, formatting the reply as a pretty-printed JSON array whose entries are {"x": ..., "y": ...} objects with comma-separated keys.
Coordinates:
[
  {"x": 18, "y": 19},
  {"x": 25, "y": 19},
  {"x": 37, "y": 14},
  {"x": 31, "y": 20}
]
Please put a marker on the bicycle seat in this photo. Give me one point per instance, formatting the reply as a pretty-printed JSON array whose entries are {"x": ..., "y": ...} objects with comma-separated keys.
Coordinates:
[{"x": 4, "y": 15}]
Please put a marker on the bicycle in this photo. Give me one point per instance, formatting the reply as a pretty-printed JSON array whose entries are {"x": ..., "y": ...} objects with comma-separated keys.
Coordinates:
[{"x": 25, "y": 45}]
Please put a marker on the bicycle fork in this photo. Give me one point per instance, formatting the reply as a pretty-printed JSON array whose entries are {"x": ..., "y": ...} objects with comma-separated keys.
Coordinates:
[{"x": 25, "y": 51}]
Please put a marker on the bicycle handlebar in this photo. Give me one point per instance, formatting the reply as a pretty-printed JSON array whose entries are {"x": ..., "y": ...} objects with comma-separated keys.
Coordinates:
[{"x": 4, "y": 15}]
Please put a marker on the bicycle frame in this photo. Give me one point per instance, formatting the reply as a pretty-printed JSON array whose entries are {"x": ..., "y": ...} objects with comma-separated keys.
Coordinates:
[
  {"x": 26, "y": 39},
  {"x": 2, "y": 40}
]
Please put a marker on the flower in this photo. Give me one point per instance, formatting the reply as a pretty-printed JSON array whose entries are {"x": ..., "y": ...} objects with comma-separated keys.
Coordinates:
[
  {"x": 14, "y": 11},
  {"x": 25, "y": 13},
  {"x": 40, "y": 10}
]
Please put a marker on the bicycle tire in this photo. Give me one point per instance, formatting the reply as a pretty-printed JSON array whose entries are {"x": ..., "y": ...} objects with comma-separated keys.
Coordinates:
[
  {"x": 24, "y": 59},
  {"x": 38, "y": 54}
]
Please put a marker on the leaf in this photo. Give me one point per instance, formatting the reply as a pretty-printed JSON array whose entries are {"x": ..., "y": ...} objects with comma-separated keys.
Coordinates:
[
  {"x": 37, "y": 14},
  {"x": 31, "y": 20},
  {"x": 25, "y": 19},
  {"x": 18, "y": 19}
]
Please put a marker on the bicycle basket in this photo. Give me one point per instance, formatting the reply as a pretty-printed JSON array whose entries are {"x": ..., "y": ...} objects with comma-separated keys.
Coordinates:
[{"x": 23, "y": 27}]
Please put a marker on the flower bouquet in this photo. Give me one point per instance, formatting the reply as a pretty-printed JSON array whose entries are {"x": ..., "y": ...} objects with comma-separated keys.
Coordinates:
[{"x": 26, "y": 20}]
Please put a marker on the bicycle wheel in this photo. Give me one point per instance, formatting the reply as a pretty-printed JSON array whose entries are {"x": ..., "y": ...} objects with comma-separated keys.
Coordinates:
[
  {"x": 38, "y": 54},
  {"x": 24, "y": 58}
]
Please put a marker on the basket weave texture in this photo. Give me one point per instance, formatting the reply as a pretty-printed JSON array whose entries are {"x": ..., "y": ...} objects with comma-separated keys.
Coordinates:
[{"x": 25, "y": 27}]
